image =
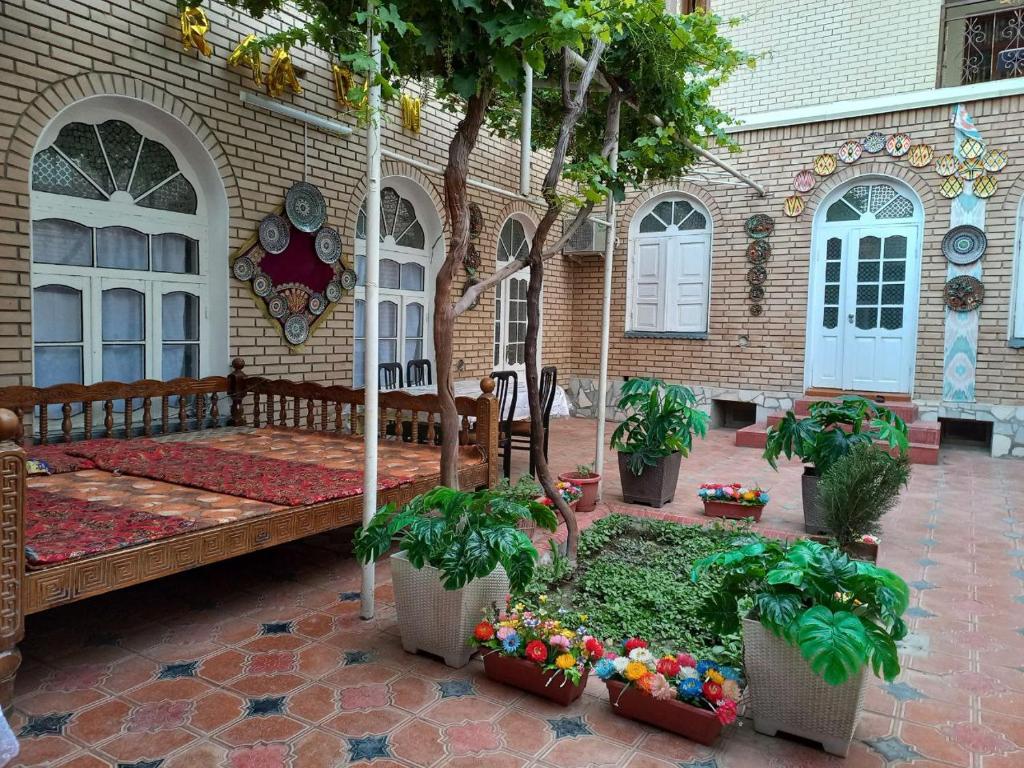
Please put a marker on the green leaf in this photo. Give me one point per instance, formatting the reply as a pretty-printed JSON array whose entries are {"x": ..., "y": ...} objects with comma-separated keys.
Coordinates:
[
  {"x": 778, "y": 610},
  {"x": 885, "y": 658},
  {"x": 834, "y": 644}
]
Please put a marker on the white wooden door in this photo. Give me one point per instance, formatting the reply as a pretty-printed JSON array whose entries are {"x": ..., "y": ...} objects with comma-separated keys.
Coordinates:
[
  {"x": 648, "y": 287},
  {"x": 687, "y": 283}
]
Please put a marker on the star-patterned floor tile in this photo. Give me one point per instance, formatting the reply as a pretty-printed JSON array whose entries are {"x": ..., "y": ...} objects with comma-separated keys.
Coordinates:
[
  {"x": 349, "y": 597},
  {"x": 708, "y": 763},
  {"x": 928, "y": 542},
  {"x": 178, "y": 669},
  {"x": 893, "y": 748},
  {"x": 357, "y": 657},
  {"x": 368, "y": 748},
  {"x": 45, "y": 725},
  {"x": 917, "y": 612},
  {"x": 927, "y": 562},
  {"x": 451, "y": 689},
  {"x": 271, "y": 705},
  {"x": 903, "y": 692},
  {"x": 142, "y": 764},
  {"x": 922, "y": 584},
  {"x": 277, "y": 628},
  {"x": 569, "y": 727}
]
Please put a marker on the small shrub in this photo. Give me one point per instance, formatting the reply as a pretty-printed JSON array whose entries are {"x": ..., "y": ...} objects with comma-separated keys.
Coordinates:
[{"x": 859, "y": 488}]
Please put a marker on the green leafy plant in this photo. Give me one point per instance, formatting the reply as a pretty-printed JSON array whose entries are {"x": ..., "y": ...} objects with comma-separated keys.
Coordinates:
[
  {"x": 585, "y": 471},
  {"x": 661, "y": 420},
  {"x": 858, "y": 489},
  {"x": 841, "y": 614},
  {"x": 465, "y": 535},
  {"x": 832, "y": 429},
  {"x": 523, "y": 490}
]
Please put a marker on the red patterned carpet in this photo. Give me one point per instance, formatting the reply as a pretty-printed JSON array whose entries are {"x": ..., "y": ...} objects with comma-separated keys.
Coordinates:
[{"x": 263, "y": 662}]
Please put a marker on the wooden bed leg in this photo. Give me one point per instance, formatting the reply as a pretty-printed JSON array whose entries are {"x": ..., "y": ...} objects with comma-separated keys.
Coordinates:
[{"x": 12, "y": 553}]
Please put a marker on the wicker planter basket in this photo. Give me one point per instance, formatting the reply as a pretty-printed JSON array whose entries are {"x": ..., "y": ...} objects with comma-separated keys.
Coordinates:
[
  {"x": 700, "y": 725},
  {"x": 786, "y": 695},
  {"x": 528, "y": 676},
  {"x": 655, "y": 487},
  {"x": 732, "y": 510},
  {"x": 814, "y": 509},
  {"x": 437, "y": 620}
]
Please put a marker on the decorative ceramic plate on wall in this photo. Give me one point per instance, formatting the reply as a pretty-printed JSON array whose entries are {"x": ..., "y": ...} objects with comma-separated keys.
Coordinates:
[
  {"x": 995, "y": 160},
  {"x": 274, "y": 233},
  {"x": 760, "y": 225},
  {"x": 757, "y": 275},
  {"x": 317, "y": 304},
  {"x": 920, "y": 155},
  {"x": 347, "y": 279},
  {"x": 851, "y": 151},
  {"x": 964, "y": 293},
  {"x": 969, "y": 170},
  {"x": 946, "y": 165},
  {"x": 825, "y": 164},
  {"x": 951, "y": 187},
  {"x": 333, "y": 290},
  {"x": 793, "y": 206},
  {"x": 874, "y": 142},
  {"x": 985, "y": 186},
  {"x": 296, "y": 329},
  {"x": 243, "y": 268},
  {"x": 305, "y": 207},
  {"x": 759, "y": 251},
  {"x": 756, "y": 310},
  {"x": 964, "y": 244},
  {"x": 803, "y": 181},
  {"x": 262, "y": 285},
  {"x": 971, "y": 148},
  {"x": 756, "y": 293},
  {"x": 898, "y": 144},
  {"x": 328, "y": 245},
  {"x": 277, "y": 306}
]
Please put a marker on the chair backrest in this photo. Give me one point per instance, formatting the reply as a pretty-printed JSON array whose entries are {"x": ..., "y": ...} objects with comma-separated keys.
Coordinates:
[
  {"x": 548, "y": 379},
  {"x": 506, "y": 389},
  {"x": 389, "y": 376},
  {"x": 418, "y": 373}
]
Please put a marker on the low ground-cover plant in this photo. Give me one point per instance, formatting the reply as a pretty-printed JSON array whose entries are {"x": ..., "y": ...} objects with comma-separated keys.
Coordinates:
[{"x": 633, "y": 581}]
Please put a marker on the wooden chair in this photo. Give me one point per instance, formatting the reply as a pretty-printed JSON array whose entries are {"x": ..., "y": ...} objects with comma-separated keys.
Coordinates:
[
  {"x": 418, "y": 373},
  {"x": 520, "y": 433},
  {"x": 389, "y": 376},
  {"x": 506, "y": 389}
]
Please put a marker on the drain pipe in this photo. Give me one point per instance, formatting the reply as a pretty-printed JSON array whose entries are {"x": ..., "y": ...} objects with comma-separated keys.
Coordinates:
[
  {"x": 606, "y": 319},
  {"x": 526, "y": 131}
]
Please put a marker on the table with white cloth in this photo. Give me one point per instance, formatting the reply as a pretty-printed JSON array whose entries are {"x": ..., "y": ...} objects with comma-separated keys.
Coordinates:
[{"x": 471, "y": 388}]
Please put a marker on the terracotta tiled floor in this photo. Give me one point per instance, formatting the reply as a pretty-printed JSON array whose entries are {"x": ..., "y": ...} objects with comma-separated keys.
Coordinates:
[{"x": 263, "y": 661}]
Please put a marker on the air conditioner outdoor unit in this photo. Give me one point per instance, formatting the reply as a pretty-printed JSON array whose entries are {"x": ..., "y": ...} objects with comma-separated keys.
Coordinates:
[{"x": 588, "y": 240}]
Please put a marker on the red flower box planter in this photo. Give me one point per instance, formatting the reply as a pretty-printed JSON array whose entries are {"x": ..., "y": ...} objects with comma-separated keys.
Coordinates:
[
  {"x": 700, "y": 725},
  {"x": 732, "y": 510},
  {"x": 529, "y": 676}
]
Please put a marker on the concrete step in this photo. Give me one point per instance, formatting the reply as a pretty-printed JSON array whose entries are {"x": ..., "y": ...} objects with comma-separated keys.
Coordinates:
[
  {"x": 905, "y": 409},
  {"x": 924, "y": 432},
  {"x": 924, "y": 439}
]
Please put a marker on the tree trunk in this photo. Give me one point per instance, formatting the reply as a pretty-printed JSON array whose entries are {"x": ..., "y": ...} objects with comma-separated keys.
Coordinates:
[{"x": 457, "y": 207}]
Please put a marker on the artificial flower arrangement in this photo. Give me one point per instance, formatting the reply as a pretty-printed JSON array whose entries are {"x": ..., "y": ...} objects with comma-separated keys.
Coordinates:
[
  {"x": 680, "y": 693},
  {"x": 570, "y": 494},
  {"x": 732, "y": 500},
  {"x": 547, "y": 652}
]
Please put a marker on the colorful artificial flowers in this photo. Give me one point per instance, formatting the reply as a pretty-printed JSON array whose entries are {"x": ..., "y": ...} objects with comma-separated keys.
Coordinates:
[
  {"x": 748, "y": 496},
  {"x": 570, "y": 494},
  {"x": 704, "y": 684}
]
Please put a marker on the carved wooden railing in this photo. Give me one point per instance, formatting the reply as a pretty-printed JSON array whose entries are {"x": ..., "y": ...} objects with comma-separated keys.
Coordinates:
[{"x": 12, "y": 553}]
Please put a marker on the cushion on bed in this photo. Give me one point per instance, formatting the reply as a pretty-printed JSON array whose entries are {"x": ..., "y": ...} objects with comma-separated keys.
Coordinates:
[
  {"x": 60, "y": 528},
  {"x": 57, "y": 458},
  {"x": 249, "y": 476}
]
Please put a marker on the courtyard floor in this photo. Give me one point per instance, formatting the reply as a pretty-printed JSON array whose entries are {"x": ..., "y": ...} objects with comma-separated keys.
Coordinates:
[{"x": 263, "y": 661}]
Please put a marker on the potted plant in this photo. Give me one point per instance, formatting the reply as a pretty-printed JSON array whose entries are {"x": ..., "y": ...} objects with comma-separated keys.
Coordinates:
[
  {"x": 732, "y": 500},
  {"x": 545, "y": 652},
  {"x": 657, "y": 432},
  {"x": 588, "y": 481},
  {"x": 856, "y": 491},
  {"x": 827, "y": 434},
  {"x": 458, "y": 552},
  {"x": 816, "y": 621},
  {"x": 675, "y": 692}
]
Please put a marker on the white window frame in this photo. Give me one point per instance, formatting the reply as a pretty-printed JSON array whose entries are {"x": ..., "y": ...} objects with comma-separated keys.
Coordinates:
[
  {"x": 502, "y": 298},
  {"x": 1016, "y": 326},
  {"x": 704, "y": 237}
]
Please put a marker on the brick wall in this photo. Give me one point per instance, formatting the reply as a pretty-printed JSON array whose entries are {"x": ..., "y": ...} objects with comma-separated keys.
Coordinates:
[
  {"x": 820, "y": 51},
  {"x": 59, "y": 51},
  {"x": 773, "y": 360}
]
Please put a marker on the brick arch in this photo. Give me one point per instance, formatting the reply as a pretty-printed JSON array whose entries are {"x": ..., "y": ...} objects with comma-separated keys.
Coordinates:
[
  {"x": 1015, "y": 192},
  {"x": 489, "y": 237},
  {"x": 685, "y": 188},
  {"x": 912, "y": 177},
  {"x": 50, "y": 101},
  {"x": 397, "y": 168}
]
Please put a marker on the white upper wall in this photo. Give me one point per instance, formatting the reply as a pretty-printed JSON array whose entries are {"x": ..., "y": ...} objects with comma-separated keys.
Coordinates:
[{"x": 821, "y": 51}]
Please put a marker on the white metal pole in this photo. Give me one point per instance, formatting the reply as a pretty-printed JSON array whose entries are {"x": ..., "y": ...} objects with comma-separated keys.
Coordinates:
[
  {"x": 370, "y": 382},
  {"x": 526, "y": 130},
  {"x": 606, "y": 318}
]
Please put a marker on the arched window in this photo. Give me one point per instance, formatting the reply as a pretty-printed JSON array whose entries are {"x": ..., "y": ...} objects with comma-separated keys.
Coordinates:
[
  {"x": 405, "y": 290},
  {"x": 871, "y": 202},
  {"x": 119, "y": 240},
  {"x": 669, "y": 269},
  {"x": 510, "y": 299}
]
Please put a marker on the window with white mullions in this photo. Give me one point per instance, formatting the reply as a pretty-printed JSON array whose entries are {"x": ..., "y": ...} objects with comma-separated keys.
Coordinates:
[{"x": 510, "y": 313}]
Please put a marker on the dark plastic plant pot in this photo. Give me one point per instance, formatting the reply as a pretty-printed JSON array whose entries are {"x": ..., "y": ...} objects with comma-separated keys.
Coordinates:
[
  {"x": 589, "y": 487},
  {"x": 814, "y": 508},
  {"x": 529, "y": 676},
  {"x": 700, "y": 725},
  {"x": 656, "y": 486},
  {"x": 732, "y": 510}
]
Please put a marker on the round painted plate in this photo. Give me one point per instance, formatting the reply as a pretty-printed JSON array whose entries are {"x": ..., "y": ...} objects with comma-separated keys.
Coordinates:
[
  {"x": 851, "y": 151},
  {"x": 964, "y": 244},
  {"x": 348, "y": 279},
  {"x": 262, "y": 285},
  {"x": 317, "y": 304},
  {"x": 757, "y": 275},
  {"x": 277, "y": 306},
  {"x": 995, "y": 160},
  {"x": 920, "y": 155},
  {"x": 756, "y": 293},
  {"x": 951, "y": 187},
  {"x": 971, "y": 148},
  {"x": 305, "y": 207},
  {"x": 758, "y": 252},
  {"x": 243, "y": 268},
  {"x": 333, "y": 290},
  {"x": 964, "y": 293},
  {"x": 803, "y": 181},
  {"x": 760, "y": 225},
  {"x": 969, "y": 170},
  {"x": 874, "y": 142},
  {"x": 274, "y": 233},
  {"x": 898, "y": 144},
  {"x": 825, "y": 164},
  {"x": 946, "y": 165},
  {"x": 296, "y": 329},
  {"x": 985, "y": 186},
  {"x": 793, "y": 206},
  {"x": 756, "y": 310},
  {"x": 328, "y": 245}
]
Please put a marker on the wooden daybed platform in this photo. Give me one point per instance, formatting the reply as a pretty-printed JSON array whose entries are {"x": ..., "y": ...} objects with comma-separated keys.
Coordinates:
[{"x": 195, "y": 471}]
